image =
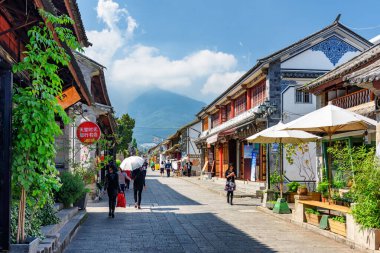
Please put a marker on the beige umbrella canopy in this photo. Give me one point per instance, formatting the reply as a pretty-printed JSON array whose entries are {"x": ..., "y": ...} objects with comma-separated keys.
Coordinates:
[
  {"x": 275, "y": 134},
  {"x": 330, "y": 120}
]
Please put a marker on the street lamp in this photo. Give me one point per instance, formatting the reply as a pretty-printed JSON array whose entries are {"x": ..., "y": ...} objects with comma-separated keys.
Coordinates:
[{"x": 266, "y": 109}]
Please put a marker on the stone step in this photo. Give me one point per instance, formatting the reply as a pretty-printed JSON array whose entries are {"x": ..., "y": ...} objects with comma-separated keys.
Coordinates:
[
  {"x": 67, "y": 232},
  {"x": 64, "y": 216}
]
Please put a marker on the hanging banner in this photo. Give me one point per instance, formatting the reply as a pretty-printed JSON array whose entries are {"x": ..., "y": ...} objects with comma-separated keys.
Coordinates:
[
  {"x": 253, "y": 166},
  {"x": 88, "y": 132}
]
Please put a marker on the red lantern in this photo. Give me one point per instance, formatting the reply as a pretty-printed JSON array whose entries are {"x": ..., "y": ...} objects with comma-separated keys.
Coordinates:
[{"x": 88, "y": 132}]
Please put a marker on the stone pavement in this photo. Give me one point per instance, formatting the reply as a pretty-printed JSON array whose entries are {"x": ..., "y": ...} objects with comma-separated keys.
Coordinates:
[{"x": 178, "y": 216}]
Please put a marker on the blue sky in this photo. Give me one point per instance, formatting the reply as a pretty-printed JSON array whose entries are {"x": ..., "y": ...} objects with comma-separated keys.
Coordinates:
[{"x": 199, "y": 47}]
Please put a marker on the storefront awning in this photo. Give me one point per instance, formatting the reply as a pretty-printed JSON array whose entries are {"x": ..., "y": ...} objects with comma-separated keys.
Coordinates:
[{"x": 212, "y": 139}]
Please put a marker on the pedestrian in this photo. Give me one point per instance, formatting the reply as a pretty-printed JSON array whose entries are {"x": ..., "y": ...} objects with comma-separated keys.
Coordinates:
[
  {"x": 189, "y": 165},
  {"x": 138, "y": 176},
  {"x": 168, "y": 166},
  {"x": 230, "y": 183},
  {"x": 123, "y": 178},
  {"x": 112, "y": 187},
  {"x": 162, "y": 168},
  {"x": 152, "y": 165}
]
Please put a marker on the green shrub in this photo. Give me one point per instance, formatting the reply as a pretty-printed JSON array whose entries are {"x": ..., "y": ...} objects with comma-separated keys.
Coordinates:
[
  {"x": 293, "y": 186},
  {"x": 72, "y": 188},
  {"x": 32, "y": 223},
  {"x": 47, "y": 214},
  {"x": 312, "y": 211},
  {"x": 340, "y": 219}
]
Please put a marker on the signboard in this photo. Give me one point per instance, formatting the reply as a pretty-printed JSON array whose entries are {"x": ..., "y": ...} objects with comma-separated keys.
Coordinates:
[
  {"x": 88, "y": 132},
  {"x": 69, "y": 97},
  {"x": 253, "y": 166},
  {"x": 5, "y": 155}
]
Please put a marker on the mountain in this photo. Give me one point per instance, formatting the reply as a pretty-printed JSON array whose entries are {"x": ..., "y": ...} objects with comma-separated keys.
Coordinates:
[{"x": 160, "y": 113}]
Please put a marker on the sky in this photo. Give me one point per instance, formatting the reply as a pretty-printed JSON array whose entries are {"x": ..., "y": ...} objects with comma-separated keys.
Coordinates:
[{"x": 198, "y": 48}]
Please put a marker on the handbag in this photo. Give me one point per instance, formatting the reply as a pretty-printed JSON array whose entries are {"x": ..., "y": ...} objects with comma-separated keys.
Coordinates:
[{"x": 121, "y": 201}]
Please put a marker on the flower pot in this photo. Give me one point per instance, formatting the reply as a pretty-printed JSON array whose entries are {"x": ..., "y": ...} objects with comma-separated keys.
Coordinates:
[
  {"x": 313, "y": 219},
  {"x": 337, "y": 227},
  {"x": 291, "y": 197},
  {"x": 82, "y": 202},
  {"x": 302, "y": 191},
  {"x": 270, "y": 205},
  {"x": 324, "y": 199},
  {"x": 314, "y": 196},
  {"x": 30, "y": 246}
]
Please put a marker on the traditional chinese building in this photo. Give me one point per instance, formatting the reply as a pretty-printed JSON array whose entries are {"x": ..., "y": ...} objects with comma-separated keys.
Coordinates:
[{"x": 264, "y": 95}]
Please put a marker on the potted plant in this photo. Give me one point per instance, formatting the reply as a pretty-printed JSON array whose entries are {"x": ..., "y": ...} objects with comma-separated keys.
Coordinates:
[
  {"x": 302, "y": 190},
  {"x": 323, "y": 188},
  {"x": 72, "y": 189},
  {"x": 313, "y": 216},
  {"x": 292, "y": 190},
  {"x": 270, "y": 204},
  {"x": 337, "y": 225}
]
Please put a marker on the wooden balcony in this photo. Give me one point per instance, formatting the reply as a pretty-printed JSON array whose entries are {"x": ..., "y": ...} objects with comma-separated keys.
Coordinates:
[{"x": 354, "y": 99}]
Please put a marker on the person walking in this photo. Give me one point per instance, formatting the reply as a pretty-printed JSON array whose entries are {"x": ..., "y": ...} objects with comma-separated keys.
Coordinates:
[
  {"x": 230, "y": 183},
  {"x": 112, "y": 186},
  {"x": 168, "y": 167},
  {"x": 162, "y": 168},
  {"x": 189, "y": 165},
  {"x": 123, "y": 178},
  {"x": 138, "y": 176}
]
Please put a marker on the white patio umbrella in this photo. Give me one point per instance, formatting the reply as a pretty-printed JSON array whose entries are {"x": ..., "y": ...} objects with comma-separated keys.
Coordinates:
[
  {"x": 132, "y": 163},
  {"x": 275, "y": 134},
  {"x": 330, "y": 120}
]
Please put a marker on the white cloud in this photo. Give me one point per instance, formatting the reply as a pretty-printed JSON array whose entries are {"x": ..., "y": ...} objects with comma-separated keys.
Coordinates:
[
  {"x": 219, "y": 82},
  {"x": 144, "y": 66},
  {"x": 136, "y": 67}
]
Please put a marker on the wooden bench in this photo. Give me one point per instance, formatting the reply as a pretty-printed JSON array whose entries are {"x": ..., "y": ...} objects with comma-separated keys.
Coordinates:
[{"x": 325, "y": 205}]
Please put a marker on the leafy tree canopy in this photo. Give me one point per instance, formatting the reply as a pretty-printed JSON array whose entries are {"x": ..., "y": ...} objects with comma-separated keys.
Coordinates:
[{"x": 125, "y": 125}]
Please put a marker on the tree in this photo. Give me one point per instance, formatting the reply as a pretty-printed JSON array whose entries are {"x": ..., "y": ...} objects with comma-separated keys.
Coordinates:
[
  {"x": 36, "y": 110},
  {"x": 125, "y": 125}
]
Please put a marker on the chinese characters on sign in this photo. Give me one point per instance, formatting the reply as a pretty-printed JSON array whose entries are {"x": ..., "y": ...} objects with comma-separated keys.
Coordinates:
[{"x": 88, "y": 132}]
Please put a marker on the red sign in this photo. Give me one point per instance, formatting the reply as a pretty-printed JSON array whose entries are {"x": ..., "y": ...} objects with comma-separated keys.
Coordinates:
[{"x": 88, "y": 132}]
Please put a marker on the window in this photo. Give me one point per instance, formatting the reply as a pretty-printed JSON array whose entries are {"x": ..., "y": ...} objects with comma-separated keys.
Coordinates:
[
  {"x": 303, "y": 97},
  {"x": 215, "y": 120},
  {"x": 205, "y": 124},
  {"x": 258, "y": 94},
  {"x": 240, "y": 104},
  {"x": 228, "y": 111}
]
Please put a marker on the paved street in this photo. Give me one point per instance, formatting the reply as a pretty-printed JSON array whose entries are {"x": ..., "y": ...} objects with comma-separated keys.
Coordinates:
[{"x": 177, "y": 216}]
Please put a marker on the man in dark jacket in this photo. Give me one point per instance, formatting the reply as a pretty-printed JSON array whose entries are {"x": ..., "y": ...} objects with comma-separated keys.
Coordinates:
[
  {"x": 138, "y": 176},
  {"x": 112, "y": 186}
]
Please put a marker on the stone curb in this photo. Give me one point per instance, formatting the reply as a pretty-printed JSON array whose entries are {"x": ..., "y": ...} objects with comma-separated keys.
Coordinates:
[{"x": 325, "y": 233}]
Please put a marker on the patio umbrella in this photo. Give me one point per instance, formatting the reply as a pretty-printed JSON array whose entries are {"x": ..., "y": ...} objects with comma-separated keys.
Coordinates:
[
  {"x": 132, "y": 163},
  {"x": 275, "y": 134},
  {"x": 330, "y": 120}
]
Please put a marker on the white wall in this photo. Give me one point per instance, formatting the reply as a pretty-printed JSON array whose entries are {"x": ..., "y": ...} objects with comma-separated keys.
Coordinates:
[{"x": 293, "y": 110}]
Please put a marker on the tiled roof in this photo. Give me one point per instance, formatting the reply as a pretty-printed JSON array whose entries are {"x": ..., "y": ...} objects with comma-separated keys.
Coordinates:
[
  {"x": 367, "y": 74},
  {"x": 370, "y": 54}
]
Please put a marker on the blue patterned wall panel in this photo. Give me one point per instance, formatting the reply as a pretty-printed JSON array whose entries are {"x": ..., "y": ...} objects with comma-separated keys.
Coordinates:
[{"x": 334, "y": 48}]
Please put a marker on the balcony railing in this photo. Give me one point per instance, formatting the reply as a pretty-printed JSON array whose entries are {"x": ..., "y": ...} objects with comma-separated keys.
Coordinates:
[{"x": 353, "y": 99}]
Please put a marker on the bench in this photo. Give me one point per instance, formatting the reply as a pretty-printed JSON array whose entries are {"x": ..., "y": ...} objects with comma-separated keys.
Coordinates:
[
  {"x": 302, "y": 204},
  {"x": 325, "y": 205}
]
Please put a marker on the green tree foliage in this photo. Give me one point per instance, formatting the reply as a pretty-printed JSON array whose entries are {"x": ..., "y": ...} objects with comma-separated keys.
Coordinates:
[
  {"x": 125, "y": 125},
  {"x": 36, "y": 110}
]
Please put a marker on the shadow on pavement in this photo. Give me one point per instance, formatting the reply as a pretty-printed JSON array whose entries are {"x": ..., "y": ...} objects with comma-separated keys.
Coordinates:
[{"x": 161, "y": 232}]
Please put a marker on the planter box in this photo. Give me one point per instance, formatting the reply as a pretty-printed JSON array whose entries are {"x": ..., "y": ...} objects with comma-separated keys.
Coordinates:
[
  {"x": 291, "y": 196},
  {"x": 82, "y": 202},
  {"x": 25, "y": 248},
  {"x": 315, "y": 196},
  {"x": 338, "y": 227},
  {"x": 368, "y": 238},
  {"x": 313, "y": 218}
]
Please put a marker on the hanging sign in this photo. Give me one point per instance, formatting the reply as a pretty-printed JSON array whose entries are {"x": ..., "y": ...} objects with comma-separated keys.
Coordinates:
[
  {"x": 69, "y": 97},
  {"x": 88, "y": 132}
]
